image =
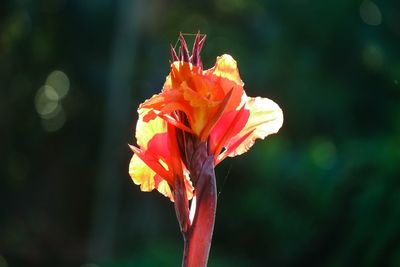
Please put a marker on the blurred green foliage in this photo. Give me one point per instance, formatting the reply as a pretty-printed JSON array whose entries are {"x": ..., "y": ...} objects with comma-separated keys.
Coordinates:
[{"x": 324, "y": 191}]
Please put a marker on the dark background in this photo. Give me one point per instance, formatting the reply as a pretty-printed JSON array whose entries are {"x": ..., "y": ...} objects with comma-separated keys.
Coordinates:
[{"x": 324, "y": 191}]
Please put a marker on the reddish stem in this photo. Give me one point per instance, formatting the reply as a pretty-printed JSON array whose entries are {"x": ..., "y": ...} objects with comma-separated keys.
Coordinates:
[{"x": 197, "y": 240}]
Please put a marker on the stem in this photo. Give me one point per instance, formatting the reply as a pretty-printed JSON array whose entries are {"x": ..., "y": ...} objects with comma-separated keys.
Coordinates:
[{"x": 197, "y": 240}]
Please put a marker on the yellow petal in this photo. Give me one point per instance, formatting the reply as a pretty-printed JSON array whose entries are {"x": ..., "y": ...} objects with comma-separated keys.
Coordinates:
[
  {"x": 145, "y": 131},
  {"x": 226, "y": 67},
  {"x": 141, "y": 174},
  {"x": 144, "y": 176},
  {"x": 266, "y": 118},
  {"x": 164, "y": 188},
  {"x": 225, "y": 75}
]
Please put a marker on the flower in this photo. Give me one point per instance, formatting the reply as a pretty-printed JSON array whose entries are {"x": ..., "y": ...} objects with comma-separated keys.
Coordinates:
[
  {"x": 199, "y": 118},
  {"x": 205, "y": 106}
]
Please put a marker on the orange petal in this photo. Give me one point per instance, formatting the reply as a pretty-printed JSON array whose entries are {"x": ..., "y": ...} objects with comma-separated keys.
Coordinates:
[
  {"x": 155, "y": 102},
  {"x": 195, "y": 98},
  {"x": 164, "y": 103},
  {"x": 266, "y": 118},
  {"x": 180, "y": 72}
]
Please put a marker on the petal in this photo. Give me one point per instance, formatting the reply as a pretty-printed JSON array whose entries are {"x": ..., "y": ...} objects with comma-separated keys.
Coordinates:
[
  {"x": 165, "y": 102},
  {"x": 266, "y": 118},
  {"x": 144, "y": 176},
  {"x": 176, "y": 122},
  {"x": 212, "y": 120},
  {"x": 160, "y": 145},
  {"x": 226, "y": 67},
  {"x": 158, "y": 166},
  {"x": 231, "y": 147},
  {"x": 180, "y": 72},
  {"x": 188, "y": 185},
  {"x": 154, "y": 162},
  {"x": 145, "y": 131},
  {"x": 225, "y": 75},
  {"x": 163, "y": 187},
  {"x": 141, "y": 174},
  {"x": 195, "y": 98},
  {"x": 229, "y": 126}
]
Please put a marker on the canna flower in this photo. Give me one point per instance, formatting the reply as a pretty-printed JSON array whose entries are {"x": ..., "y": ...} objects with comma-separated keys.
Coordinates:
[
  {"x": 209, "y": 104},
  {"x": 199, "y": 118}
]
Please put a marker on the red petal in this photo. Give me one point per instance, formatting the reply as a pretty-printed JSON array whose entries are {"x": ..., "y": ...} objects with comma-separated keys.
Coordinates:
[{"x": 228, "y": 126}]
